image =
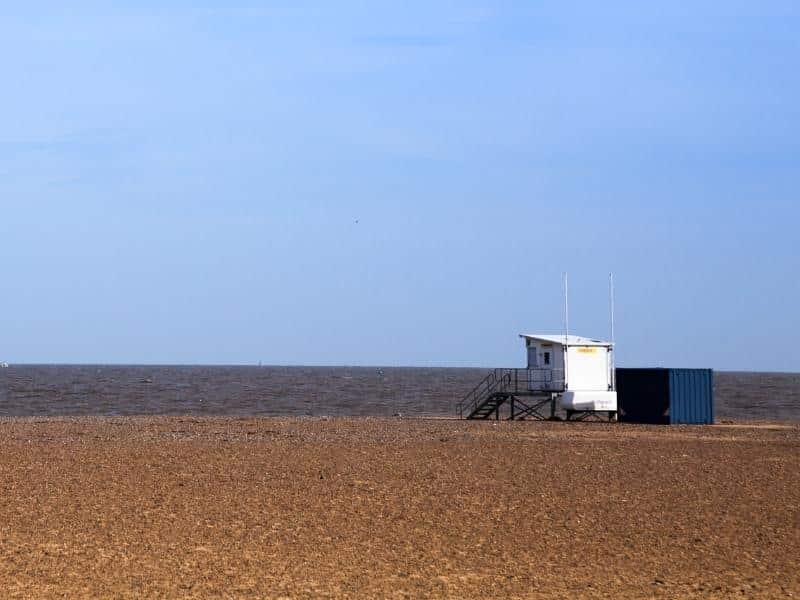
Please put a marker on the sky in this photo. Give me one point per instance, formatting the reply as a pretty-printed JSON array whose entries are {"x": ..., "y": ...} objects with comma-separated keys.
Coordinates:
[{"x": 398, "y": 183}]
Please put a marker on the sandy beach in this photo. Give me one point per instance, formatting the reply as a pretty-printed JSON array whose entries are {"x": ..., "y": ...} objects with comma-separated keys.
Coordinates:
[{"x": 223, "y": 507}]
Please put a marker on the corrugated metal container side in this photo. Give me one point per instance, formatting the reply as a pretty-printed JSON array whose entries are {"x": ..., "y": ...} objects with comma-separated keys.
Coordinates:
[
  {"x": 666, "y": 396},
  {"x": 691, "y": 396}
]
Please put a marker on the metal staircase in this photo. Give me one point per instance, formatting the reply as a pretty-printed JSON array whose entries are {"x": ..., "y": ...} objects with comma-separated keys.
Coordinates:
[{"x": 509, "y": 386}]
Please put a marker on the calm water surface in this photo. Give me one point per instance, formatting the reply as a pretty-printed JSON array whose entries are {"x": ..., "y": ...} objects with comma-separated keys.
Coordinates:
[{"x": 312, "y": 391}]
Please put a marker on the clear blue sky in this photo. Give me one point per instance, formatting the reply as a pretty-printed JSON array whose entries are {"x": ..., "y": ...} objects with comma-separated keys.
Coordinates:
[{"x": 180, "y": 181}]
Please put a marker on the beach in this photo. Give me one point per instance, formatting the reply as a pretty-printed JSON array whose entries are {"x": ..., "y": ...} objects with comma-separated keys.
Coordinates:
[{"x": 173, "y": 507}]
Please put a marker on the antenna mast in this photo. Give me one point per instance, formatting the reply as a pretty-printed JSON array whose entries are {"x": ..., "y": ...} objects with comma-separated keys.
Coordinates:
[
  {"x": 566, "y": 330},
  {"x": 612, "y": 361},
  {"x": 611, "y": 302}
]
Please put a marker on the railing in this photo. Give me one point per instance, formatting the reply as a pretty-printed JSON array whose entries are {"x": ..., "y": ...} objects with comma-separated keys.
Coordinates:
[
  {"x": 511, "y": 381},
  {"x": 545, "y": 380},
  {"x": 491, "y": 384}
]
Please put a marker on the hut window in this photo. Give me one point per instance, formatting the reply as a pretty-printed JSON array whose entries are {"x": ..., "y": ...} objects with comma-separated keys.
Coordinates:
[{"x": 546, "y": 358}]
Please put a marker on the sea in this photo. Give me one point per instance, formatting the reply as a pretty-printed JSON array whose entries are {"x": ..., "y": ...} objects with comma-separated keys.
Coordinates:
[{"x": 69, "y": 390}]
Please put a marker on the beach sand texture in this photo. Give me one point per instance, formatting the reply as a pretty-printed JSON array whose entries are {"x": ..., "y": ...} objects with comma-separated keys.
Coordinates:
[{"x": 379, "y": 507}]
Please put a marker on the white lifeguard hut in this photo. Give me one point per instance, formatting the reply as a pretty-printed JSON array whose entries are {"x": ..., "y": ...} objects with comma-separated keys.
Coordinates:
[
  {"x": 573, "y": 371},
  {"x": 580, "y": 370}
]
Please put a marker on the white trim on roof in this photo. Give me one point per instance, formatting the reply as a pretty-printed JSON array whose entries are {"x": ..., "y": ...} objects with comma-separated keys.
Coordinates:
[{"x": 572, "y": 340}]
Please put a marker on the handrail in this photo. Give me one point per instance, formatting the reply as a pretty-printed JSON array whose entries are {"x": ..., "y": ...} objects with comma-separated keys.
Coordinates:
[
  {"x": 495, "y": 378},
  {"x": 471, "y": 400},
  {"x": 501, "y": 381},
  {"x": 477, "y": 387}
]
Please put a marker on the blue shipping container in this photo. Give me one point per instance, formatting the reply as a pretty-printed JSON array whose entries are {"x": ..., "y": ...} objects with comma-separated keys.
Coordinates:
[{"x": 666, "y": 396}]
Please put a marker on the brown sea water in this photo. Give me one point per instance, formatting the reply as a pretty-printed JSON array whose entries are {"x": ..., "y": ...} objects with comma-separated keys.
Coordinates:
[{"x": 311, "y": 391}]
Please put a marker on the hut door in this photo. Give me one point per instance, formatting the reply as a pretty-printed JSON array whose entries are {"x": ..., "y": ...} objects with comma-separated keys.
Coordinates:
[{"x": 532, "y": 357}]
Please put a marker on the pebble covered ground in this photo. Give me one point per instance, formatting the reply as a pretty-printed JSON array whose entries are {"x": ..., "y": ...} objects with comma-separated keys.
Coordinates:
[{"x": 172, "y": 507}]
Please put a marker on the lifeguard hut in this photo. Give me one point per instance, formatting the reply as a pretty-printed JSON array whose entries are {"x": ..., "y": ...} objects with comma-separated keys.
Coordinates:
[
  {"x": 579, "y": 370},
  {"x": 572, "y": 371}
]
